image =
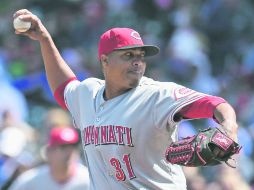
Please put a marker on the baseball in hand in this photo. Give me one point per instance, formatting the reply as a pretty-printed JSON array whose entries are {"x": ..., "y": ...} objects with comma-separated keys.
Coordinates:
[{"x": 20, "y": 25}]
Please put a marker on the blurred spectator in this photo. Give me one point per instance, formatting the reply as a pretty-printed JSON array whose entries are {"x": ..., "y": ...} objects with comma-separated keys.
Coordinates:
[
  {"x": 17, "y": 148},
  {"x": 13, "y": 105},
  {"x": 53, "y": 117},
  {"x": 187, "y": 52},
  {"x": 225, "y": 178},
  {"x": 195, "y": 180},
  {"x": 63, "y": 170},
  {"x": 56, "y": 117},
  {"x": 230, "y": 179}
]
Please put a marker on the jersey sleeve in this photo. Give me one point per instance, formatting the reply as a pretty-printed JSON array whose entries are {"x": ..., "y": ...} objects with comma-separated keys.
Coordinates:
[
  {"x": 71, "y": 98},
  {"x": 171, "y": 99},
  {"x": 202, "y": 108},
  {"x": 59, "y": 93}
]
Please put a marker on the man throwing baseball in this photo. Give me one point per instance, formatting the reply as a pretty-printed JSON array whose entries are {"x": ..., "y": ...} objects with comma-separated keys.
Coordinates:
[{"x": 127, "y": 120}]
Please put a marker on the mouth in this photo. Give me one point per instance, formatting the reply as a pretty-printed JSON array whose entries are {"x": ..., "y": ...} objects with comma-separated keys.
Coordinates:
[{"x": 135, "y": 71}]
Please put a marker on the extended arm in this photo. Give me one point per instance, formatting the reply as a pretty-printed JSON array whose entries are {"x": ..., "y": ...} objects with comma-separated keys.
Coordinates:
[
  {"x": 216, "y": 108},
  {"x": 57, "y": 70},
  {"x": 213, "y": 107}
]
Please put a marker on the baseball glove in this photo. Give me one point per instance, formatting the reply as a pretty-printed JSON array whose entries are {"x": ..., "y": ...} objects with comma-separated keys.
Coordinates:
[{"x": 198, "y": 150}]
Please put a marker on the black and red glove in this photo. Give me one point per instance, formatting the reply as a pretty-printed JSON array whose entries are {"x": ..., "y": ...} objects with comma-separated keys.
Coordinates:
[{"x": 198, "y": 150}]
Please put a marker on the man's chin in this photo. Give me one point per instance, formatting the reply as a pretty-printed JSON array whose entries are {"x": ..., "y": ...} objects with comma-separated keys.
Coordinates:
[
  {"x": 134, "y": 79},
  {"x": 134, "y": 82}
]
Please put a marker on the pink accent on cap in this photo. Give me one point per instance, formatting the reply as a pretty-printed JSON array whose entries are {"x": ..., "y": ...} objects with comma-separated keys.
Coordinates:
[
  {"x": 123, "y": 38},
  {"x": 63, "y": 135}
]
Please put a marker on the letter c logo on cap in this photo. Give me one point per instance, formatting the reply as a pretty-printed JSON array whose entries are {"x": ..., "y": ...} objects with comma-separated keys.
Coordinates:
[{"x": 135, "y": 35}]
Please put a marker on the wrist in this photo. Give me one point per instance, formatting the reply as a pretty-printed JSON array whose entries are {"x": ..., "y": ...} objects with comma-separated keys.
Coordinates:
[
  {"x": 230, "y": 127},
  {"x": 45, "y": 38}
]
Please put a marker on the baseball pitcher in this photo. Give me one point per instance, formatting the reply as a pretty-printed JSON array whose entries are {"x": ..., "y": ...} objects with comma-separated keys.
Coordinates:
[{"x": 127, "y": 120}]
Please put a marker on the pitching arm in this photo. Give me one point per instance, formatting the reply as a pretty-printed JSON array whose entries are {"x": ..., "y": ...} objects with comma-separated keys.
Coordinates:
[{"x": 57, "y": 70}]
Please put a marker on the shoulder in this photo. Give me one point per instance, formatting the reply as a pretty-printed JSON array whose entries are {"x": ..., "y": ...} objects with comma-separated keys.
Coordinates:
[
  {"x": 35, "y": 172},
  {"x": 89, "y": 83},
  {"x": 92, "y": 84},
  {"x": 93, "y": 81},
  {"x": 157, "y": 86},
  {"x": 82, "y": 175},
  {"x": 162, "y": 90}
]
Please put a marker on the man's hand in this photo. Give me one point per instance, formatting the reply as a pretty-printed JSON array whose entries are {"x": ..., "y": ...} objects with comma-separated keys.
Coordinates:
[
  {"x": 228, "y": 128},
  {"x": 37, "y": 31}
]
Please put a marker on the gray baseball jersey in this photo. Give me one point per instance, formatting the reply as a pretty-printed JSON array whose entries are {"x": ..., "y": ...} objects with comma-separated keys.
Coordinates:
[{"x": 125, "y": 138}]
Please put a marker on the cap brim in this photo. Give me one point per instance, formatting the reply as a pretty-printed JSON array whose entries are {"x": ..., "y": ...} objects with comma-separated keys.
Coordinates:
[{"x": 149, "y": 49}]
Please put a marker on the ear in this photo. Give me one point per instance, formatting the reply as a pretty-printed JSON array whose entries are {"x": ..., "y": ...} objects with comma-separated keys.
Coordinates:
[
  {"x": 103, "y": 62},
  {"x": 104, "y": 59}
]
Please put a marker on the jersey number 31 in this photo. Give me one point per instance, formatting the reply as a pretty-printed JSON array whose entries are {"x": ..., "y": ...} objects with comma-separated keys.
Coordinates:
[{"x": 119, "y": 173}]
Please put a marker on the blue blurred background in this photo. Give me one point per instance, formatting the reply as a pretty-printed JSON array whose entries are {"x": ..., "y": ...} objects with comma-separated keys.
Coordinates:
[{"x": 205, "y": 45}]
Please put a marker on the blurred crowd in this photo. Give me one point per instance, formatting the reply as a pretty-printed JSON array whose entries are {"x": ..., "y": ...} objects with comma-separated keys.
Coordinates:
[{"x": 205, "y": 45}]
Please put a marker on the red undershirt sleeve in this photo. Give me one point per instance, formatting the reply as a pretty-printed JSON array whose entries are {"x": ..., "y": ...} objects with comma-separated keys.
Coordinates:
[
  {"x": 59, "y": 93},
  {"x": 202, "y": 108}
]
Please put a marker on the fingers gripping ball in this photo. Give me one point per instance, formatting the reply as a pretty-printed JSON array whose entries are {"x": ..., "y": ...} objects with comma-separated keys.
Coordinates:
[
  {"x": 20, "y": 25},
  {"x": 199, "y": 150}
]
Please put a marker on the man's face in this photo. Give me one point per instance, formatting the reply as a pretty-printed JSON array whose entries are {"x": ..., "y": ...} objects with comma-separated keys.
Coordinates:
[
  {"x": 125, "y": 68},
  {"x": 61, "y": 154}
]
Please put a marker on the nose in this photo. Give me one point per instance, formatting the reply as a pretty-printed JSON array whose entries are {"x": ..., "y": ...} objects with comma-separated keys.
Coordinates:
[
  {"x": 137, "y": 60},
  {"x": 137, "y": 63}
]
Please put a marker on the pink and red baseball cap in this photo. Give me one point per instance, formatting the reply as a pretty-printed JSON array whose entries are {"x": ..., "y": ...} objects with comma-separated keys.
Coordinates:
[
  {"x": 123, "y": 38},
  {"x": 63, "y": 136}
]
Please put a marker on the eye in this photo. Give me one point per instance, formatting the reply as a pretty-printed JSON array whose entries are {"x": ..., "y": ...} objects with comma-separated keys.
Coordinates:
[
  {"x": 127, "y": 56},
  {"x": 143, "y": 54}
]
